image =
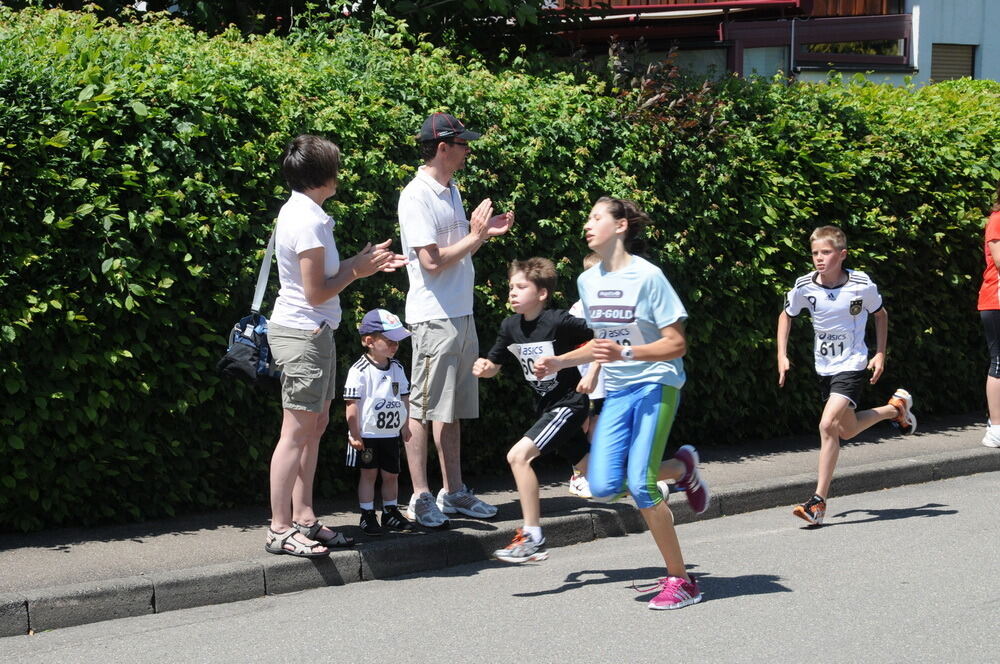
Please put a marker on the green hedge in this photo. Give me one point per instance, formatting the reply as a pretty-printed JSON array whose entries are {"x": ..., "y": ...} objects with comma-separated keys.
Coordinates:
[{"x": 138, "y": 183}]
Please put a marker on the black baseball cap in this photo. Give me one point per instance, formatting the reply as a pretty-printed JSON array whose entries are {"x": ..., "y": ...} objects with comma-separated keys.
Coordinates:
[{"x": 442, "y": 125}]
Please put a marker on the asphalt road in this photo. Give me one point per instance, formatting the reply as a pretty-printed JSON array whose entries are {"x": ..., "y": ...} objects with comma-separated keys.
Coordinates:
[{"x": 901, "y": 575}]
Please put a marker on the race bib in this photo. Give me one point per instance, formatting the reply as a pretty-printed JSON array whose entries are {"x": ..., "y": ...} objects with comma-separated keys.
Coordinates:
[
  {"x": 385, "y": 416},
  {"x": 833, "y": 345},
  {"x": 528, "y": 354},
  {"x": 626, "y": 335}
]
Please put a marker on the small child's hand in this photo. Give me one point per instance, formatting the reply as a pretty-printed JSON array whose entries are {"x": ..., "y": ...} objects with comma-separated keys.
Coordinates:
[
  {"x": 606, "y": 351},
  {"x": 355, "y": 443},
  {"x": 586, "y": 384},
  {"x": 404, "y": 433}
]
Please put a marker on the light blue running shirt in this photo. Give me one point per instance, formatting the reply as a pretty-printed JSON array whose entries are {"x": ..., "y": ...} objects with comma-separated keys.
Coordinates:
[{"x": 630, "y": 306}]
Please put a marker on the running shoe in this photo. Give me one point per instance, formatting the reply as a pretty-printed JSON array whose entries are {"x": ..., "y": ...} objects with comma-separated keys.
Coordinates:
[
  {"x": 697, "y": 491},
  {"x": 423, "y": 510},
  {"x": 522, "y": 549},
  {"x": 813, "y": 510},
  {"x": 393, "y": 519},
  {"x": 905, "y": 419},
  {"x": 676, "y": 593},
  {"x": 369, "y": 523},
  {"x": 992, "y": 438},
  {"x": 464, "y": 501},
  {"x": 579, "y": 486}
]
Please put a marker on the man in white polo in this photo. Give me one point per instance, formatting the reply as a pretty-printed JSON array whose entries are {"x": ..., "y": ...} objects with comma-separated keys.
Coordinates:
[{"x": 438, "y": 240}]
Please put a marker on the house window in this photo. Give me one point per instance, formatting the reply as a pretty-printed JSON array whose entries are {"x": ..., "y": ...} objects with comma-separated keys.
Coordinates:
[{"x": 951, "y": 61}]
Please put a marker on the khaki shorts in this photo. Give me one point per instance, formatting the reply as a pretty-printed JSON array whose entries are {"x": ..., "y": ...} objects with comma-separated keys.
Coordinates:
[
  {"x": 308, "y": 362},
  {"x": 442, "y": 387}
]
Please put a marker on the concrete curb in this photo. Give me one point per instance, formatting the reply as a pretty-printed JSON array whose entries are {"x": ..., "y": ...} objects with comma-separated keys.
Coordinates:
[{"x": 69, "y": 605}]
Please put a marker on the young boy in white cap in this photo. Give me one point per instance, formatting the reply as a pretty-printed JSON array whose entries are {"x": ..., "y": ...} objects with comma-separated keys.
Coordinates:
[{"x": 377, "y": 395}]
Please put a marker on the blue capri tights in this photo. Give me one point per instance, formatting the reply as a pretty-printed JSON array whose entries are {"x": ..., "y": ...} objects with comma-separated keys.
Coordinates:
[{"x": 628, "y": 444}]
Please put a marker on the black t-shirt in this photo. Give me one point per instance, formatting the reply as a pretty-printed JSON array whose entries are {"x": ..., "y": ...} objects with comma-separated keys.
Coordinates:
[{"x": 521, "y": 342}]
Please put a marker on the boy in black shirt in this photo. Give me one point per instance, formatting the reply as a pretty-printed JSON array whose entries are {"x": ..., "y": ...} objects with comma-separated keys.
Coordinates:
[{"x": 532, "y": 332}]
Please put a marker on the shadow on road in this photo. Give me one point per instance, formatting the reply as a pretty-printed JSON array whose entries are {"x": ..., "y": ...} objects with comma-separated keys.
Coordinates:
[{"x": 928, "y": 510}]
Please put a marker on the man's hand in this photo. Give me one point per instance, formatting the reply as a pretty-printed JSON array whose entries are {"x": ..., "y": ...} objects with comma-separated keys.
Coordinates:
[
  {"x": 500, "y": 224},
  {"x": 876, "y": 365},
  {"x": 479, "y": 220},
  {"x": 783, "y": 366}
]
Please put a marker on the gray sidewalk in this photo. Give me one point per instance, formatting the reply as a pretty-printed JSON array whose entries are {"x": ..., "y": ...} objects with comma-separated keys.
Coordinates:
[{"x": 74, "y": 576}]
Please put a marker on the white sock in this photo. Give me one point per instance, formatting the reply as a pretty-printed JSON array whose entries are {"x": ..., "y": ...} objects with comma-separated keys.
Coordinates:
[
  {"x": 535, "y": 532},
  {"x": 368, "y": 506}
]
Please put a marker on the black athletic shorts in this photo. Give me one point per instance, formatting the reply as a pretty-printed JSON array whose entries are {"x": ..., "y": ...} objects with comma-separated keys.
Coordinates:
[
  {"x": 991, "y": 326},
  {"x": 561, "y": 430},
  {"x": 848, "y": 384},
  {"x": 382, "y": 453},
  {"x": 596, "y": 405}
]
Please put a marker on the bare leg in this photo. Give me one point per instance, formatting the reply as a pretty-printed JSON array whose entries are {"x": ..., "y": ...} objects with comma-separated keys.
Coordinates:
[
  {"x": 302, "y": 492},
  {"x": 416, "y": 456},
  {"x": 851, "y": 423},
  {"x": 297, "y": 427},
  {"x": 366, "y": 487},
  {"x": 520, "y": 457},
  {"x": 993, "y": 399},
  {"x": 390, "y": 487},
  {"x": 660, "y": 520},
  {"x": 829, "y": 441},
  {"x": 448, "y": 438}
]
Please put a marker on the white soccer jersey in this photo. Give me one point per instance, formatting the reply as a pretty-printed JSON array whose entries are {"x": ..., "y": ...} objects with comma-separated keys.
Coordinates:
[
  {"x": 839, "y": 316},
  {"x": 381, "y": 393}
]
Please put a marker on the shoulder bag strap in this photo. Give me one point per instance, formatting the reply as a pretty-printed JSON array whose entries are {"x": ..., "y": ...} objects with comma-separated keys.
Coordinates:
[{"x": 265, "y": 271}]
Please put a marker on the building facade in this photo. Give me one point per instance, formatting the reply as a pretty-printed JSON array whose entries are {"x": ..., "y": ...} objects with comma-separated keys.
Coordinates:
[{"x": 886, "y": 40}]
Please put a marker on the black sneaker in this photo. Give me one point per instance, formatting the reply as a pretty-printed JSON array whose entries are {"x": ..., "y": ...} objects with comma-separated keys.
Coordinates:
[
  {"x": 393, "y": 519},
  {"x": 369, "y": 523}
]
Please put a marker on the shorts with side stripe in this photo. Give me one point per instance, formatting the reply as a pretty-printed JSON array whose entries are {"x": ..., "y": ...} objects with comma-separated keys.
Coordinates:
[
  {"x": 629, "y": 442},
  {"x": 561, "y": 430}
]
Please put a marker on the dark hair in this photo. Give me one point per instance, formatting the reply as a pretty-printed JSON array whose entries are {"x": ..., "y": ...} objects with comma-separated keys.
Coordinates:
[
  {"x": 636, "y": 218},
  {"x": 429, "y": 149},
  {"x": 310, "y": 162},
  {"x": 539, "y": 271}
]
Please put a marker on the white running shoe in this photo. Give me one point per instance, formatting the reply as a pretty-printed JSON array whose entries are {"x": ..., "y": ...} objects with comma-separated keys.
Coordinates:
[
  {"x": 992, "y": 438},
  {"x": 465, "y": 502},
  {"x": 423, "y": 510},
  {"x": 579, "y": 486}
]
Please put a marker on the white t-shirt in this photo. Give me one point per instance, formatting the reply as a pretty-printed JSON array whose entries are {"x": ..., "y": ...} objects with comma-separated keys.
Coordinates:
[
  {"x": 839, "y": 316},
  {"x": 303, "y": 225},
  {"x": 430, "y": 213},
  {"x": 630, "y": 307},
  {"x": 381, "y": 393},
  {"x": 598, "y": 393}
]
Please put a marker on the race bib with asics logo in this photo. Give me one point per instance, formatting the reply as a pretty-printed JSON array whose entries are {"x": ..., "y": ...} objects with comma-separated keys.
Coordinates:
[
  {"x": 385, "y": 416},
  {"x": 833, "y": 345},
  {"x": 529, "y": 353}
]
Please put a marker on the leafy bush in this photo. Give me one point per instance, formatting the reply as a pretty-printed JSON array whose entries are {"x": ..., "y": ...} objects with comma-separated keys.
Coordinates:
[{"x": 138, "y": 184}]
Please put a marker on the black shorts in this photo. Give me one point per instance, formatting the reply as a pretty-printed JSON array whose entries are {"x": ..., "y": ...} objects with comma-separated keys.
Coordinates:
[
  {"x": 596, "y": 405},
  {"x": 382, "y": 453},
  {"x": 847, "y": 384},
  {"x": 561, "y": 430},
  {"x": 991, "y": 326}
]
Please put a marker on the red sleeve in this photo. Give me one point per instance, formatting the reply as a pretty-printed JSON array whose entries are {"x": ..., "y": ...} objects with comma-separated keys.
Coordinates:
[{"x": 993, "y": 228}]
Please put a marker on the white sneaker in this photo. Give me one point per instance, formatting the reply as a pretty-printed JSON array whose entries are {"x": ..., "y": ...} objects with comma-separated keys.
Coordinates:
[
  {"x": 992, "y": 437},
  {"x": 579, "y": 486},
  {"x": 423, "y": 510},
  {"x": 464, "y": 501}
]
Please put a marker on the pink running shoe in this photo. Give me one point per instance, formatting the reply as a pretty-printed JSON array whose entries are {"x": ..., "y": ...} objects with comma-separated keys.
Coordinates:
[
  {"x": 697, "y": 492},
  {"x": 676, "y": 593}
]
